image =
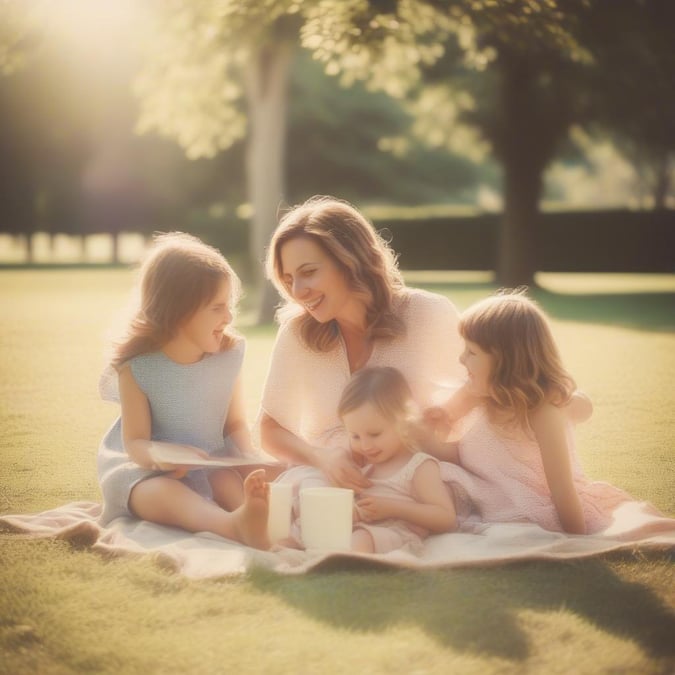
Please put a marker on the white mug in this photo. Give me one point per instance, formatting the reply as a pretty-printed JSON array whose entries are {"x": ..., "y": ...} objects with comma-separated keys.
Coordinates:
[
  {"x": 326, "y": 518},
  {"x": 279, "y": 514}
]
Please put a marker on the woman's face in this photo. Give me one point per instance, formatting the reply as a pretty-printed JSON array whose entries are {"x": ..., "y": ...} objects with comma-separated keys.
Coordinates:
[{"x": 315, "y": 281}]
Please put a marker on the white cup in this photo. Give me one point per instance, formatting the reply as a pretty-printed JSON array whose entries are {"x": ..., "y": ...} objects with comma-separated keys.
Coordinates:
[
  {"x": 326, "y": 518},
  {"x": 279, "y": 514}
]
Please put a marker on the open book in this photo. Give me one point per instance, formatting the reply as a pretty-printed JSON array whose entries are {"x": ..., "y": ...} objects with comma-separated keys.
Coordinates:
[{"x": 183, "y": 455}]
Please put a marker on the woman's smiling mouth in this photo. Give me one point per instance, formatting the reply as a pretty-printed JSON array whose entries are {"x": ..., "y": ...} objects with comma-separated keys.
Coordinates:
[{"x": 311, "y": 306}]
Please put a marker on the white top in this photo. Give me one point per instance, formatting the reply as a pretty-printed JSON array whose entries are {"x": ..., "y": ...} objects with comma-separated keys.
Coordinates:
[{"x": 303, "y": 387}]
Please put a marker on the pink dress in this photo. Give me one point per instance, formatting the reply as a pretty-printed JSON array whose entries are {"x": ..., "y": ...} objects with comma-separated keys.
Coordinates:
[{"x": 501, "y": 479}]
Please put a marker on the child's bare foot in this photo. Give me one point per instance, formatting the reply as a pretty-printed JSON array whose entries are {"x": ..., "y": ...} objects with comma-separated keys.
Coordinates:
[{"x": 251, "y": 523}]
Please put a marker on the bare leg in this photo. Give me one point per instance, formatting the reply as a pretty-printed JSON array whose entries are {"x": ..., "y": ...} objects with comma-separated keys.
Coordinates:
[
  {"x": 228, "y": 488},
  {"x": 362, "y": 542},
  {"x": 169, "y": 502}
]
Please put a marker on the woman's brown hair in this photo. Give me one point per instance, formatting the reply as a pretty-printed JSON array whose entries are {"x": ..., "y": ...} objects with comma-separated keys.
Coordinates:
[{"x": 366, "y": 260}]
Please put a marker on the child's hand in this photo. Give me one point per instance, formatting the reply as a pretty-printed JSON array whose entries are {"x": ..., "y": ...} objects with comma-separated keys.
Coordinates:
[
  {"x": 437, "y": 420},
  {"x": 372, "y": 509},
  {"x": 179, "y": 471},
  {"x": 172, "y": 470}
]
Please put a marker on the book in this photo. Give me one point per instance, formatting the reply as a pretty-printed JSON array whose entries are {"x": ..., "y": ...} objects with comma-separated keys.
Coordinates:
[{"x": 185, "y": 456}]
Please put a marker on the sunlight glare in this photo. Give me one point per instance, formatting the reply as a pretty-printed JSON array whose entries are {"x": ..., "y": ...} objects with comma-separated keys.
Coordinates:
[{"x": 93, "y": 24}]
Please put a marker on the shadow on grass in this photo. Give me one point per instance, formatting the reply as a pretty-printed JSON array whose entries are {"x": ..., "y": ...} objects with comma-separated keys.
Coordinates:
[{"x": 477, "y": 610}]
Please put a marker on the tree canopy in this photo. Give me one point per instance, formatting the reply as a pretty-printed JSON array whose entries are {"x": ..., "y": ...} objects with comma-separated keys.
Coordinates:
[{"x": 519, "y": 73}]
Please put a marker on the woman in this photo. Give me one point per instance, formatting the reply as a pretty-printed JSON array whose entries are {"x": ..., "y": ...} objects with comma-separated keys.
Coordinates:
[{"x": 347, "y": 306}]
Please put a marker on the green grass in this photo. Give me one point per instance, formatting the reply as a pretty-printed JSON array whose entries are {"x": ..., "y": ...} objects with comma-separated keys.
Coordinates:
[{"x": 68, "y": 610}]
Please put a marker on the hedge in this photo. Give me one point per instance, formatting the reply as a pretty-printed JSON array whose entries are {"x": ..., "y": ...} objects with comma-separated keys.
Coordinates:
[{"x": 583, "y": 241}]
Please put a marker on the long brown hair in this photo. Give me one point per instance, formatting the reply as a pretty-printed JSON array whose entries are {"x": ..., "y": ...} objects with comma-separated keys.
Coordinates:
[
  {"x": 179, "y": 275},
  {"x": 366, "y": 260},
  {"x": 527, "y": 368}
]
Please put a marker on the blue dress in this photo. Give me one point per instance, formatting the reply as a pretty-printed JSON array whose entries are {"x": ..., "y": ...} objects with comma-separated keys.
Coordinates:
[{"x": 188, "y": 405}]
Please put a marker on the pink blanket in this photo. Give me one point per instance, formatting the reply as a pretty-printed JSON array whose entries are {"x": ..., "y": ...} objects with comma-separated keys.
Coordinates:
[{"x": 206, "y": 555}]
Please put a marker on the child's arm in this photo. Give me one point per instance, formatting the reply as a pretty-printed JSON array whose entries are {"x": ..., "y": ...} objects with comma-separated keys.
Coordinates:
[
  {"x": 433, "y": 509},
  {"x": 441, "y": 419},
  {"x": 137, "y": 426},
  {"x": 236, "y": 426},
  {"x": 548, "y": 423},
  {"x": 136, "y": 420},
  {"x": 457, "y": 406},
  {"x": 446, "y": 451}
]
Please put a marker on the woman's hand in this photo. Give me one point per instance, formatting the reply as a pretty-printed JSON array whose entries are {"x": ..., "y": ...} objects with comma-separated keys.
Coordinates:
[
  {"x": 339, "y": 468},
  {"x": 172, "y": 470}
]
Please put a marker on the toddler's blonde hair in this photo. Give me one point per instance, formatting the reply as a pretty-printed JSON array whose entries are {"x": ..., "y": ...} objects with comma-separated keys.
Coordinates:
[{"x": 388, "y": 391}]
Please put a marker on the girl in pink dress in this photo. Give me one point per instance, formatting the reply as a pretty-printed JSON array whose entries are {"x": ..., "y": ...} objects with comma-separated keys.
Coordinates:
[{"x": 515, "y": 460}]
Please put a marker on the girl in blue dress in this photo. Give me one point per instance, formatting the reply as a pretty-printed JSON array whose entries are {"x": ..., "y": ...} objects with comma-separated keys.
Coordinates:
[{"x": 176, "y": 375}]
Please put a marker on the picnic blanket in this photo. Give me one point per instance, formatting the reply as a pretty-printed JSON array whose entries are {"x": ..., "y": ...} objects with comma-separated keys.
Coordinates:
[{"x": 205, "y": 555}]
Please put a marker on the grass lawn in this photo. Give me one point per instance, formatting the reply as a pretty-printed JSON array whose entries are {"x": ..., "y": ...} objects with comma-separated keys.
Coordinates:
[{"x": 68, "y": 610}]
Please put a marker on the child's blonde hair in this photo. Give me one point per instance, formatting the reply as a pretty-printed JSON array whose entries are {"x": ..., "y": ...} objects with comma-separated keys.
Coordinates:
[
  {"x": 527, "y": 368},
  {"x": 388, "y": 391},
  {"x": 179, "y": 275},
  {"x": 366, "y": 260}
]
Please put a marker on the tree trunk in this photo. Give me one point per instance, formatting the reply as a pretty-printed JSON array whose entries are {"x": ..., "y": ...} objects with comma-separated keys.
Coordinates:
[
  {"x": 518, "y": 245},
  {"x": 662, "y": 184},
  {"x": 115, "y": 247},
  {"x": 267, "y": 88},
  {"x": 534, "y": 116},
  {"x": 30, "y": 250}
]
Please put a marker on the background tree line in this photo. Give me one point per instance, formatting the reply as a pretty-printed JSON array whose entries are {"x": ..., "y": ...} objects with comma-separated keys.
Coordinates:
[{"x": 442, "y": 96}]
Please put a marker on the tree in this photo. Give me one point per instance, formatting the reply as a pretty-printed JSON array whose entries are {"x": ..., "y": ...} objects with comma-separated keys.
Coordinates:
[
  {"x": 203, "y": 61},
  {"x": 535, "y": 60},
  {"x": 520, "y": 72},
  {"x": 192, "y": 88},
  {"x": 632, "y": 86},
  {"x": 350, "y": 142},
  {"x": 18, "y": 156},
  {"x": 68, "y": 165},
  {"x": 206, "y": 58},
  {"x": 505, "y": 68}
]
